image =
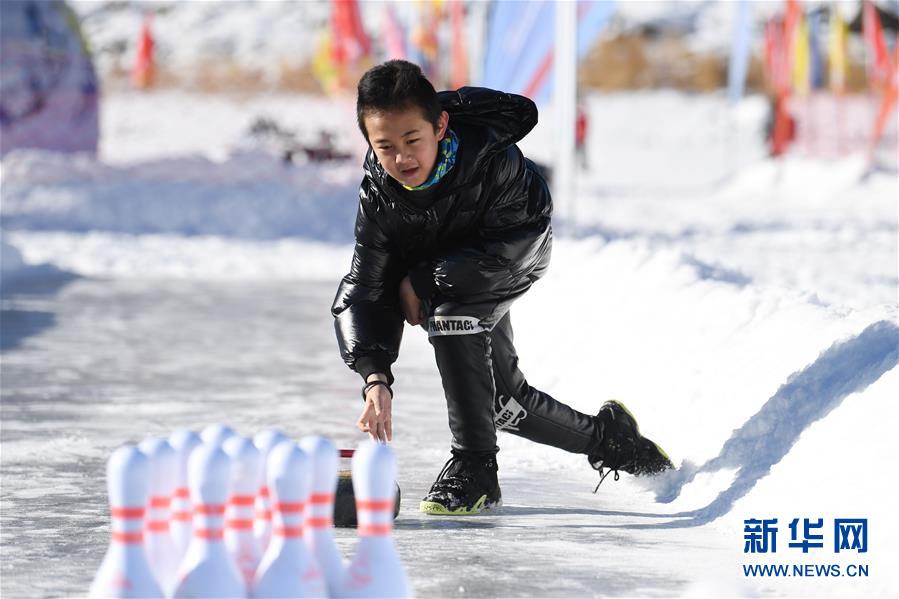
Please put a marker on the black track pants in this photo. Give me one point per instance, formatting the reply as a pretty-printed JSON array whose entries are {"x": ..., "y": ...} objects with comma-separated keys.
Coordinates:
[{"x": 485, "y": 391}]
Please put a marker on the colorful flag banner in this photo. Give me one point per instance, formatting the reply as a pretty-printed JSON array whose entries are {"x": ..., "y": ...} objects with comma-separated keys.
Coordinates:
[
  {"x": 424, "y": 44},
  {"x": 888, "y": 103},
  {"x": 143, "y": 74},
  {"x": 520, "y": 41},
  {"x": 775, "y": 56},
  {"x": 878, "y": 58},
  {"x": 801, "y": 57},
  {"x": 394, "y": 36},
  {"x": 459, "y": 68},
  {"x": 816, "y": 57},
  {"x": 836, "y": 52},
  {"x": 739, "y": 53},
  {"x": 349, "y": 40}
]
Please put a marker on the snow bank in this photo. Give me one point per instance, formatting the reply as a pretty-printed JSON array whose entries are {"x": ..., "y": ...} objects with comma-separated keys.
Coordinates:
[
  {"x": 252, "y": 195},
  {"x": 773, "y": 406},
  {"x": 16, "y": 269},
  {"x": 120, "y": 255},
  {"x": 11, "y": 262},
  {"x": 681, "y": 172}
]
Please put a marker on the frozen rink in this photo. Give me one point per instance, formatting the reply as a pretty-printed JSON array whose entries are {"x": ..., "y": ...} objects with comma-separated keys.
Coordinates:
[
  {"x": 744, "y": 310},
  {"x": 121, "y": 361}
]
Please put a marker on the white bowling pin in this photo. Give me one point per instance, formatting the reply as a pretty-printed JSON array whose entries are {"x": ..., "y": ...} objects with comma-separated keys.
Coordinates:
[
  {"x": 158, "y": 542},
  {"x": 319, "y": 533},
  {"x": 246, "y": 477},
  {"x": 265, "y": 442},
  {"x": 288, "y": 569},
  {"x": 184, "y": 442},
  {"x": 125, "y": 571},
  {"x": 207, "y": 569},
  {"x": 216, "y": 434},
  {"x": 376, "y": 569}
]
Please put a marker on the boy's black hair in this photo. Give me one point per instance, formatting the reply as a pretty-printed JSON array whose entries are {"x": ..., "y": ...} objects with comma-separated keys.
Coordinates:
[{"x": 396, "y": 85}]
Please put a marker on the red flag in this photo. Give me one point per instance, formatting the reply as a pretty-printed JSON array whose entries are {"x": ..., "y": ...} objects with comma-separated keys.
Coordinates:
[
  {"x": 888, "y": 103},
  {"x": 879, "y": 59},
  {"x": 350, "y": 43},
  {"x": 792, "y": 21},
  {"x": 143, "y": 74}
]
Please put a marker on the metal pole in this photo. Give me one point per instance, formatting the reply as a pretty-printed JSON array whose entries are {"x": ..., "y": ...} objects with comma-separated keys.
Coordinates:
[{"x": 565, "y": 108}]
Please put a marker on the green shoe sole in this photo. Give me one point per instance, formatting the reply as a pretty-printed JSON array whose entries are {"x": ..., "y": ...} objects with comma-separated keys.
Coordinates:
[{"x": 438, "y": 509}]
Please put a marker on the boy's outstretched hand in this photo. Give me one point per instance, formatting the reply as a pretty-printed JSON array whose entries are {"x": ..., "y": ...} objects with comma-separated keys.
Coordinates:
[
  {"x": 376, "y": 418},
  {"x": 410, "y": 303}
]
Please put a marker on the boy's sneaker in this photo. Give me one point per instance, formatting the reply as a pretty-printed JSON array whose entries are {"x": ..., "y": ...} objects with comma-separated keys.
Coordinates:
[
  {"x": 622, "y": 447},
  {"x": 466, "y": 485}
]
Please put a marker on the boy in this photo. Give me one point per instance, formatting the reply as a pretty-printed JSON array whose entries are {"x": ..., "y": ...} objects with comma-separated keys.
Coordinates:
[{"x": 453, "y": 226}]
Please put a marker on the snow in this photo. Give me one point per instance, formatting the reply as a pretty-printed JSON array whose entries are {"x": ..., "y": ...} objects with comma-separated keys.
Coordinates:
[{"x": 744, "y": 309}]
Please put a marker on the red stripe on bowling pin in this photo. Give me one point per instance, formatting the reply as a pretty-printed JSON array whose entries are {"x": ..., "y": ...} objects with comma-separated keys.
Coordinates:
[
  {"x": 289, "y": 508},
  {"x": 374, "y": 506},
  {"x": 157, "y": 526},
  {"x": 375, "y": 530},
  {"x": 211, "y": 509},
  {"x": 209, "y": 534},
  {"x": 288, "y": 532},
  {"x": 319, "y": 522},
  {"x": 128, "y": 537},
  {"x": 127, "y": 513},
  {"x": 160, "y": 502}
]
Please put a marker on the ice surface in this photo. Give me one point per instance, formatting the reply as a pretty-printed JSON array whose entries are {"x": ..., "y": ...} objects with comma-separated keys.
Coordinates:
[{"x": 744, "y": 310}]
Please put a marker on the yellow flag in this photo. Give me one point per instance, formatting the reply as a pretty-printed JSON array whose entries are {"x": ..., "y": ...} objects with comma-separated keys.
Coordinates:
[
  {"x": 836, "y": 52},
  {"x": 323, "y": 68},
  {"x": 801, "y": 58}
]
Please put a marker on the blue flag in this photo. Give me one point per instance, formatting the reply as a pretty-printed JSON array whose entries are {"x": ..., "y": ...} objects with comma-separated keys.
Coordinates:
[
  {"x": 739, "y": 53},
  {"x": 520, "y": 42}
]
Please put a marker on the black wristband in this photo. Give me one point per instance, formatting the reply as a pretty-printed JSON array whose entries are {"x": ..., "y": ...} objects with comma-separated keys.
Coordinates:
[{"x": 368, "y": 386}]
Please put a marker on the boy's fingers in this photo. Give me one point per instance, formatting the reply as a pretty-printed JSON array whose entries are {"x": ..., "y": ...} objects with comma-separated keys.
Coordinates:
[{"x": 388, "y": 429}]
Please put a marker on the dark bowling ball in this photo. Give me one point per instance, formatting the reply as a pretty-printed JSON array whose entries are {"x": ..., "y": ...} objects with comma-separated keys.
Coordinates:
[{"x": 345, "y": 501}]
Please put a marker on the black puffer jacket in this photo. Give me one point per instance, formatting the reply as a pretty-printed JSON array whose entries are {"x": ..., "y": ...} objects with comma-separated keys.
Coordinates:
[{"x": 481, "y": 235}]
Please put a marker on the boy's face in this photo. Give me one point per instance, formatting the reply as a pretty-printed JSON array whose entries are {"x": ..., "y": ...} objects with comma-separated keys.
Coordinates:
[{"x": 405, "y": 143}]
